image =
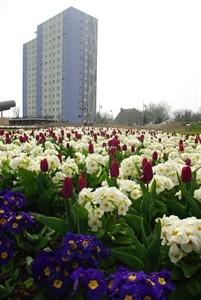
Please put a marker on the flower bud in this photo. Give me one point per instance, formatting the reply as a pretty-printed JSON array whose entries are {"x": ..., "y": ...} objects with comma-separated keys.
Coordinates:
[
  {"x": 82, "y": 181},
  {"x": 186, "y": 174},
  {"x": 155, "y": 155},
  {"x": 91, "y": 148},
  {"x": 124, "y": 147},
  {"x": 188, "y": 162},
  {"x": 144, "y": 161},
  {"x": 132, "y": 148},
  {"x": 44, "y": 165},
  {"x": 147, "y": 173},
  {"x": 67, "y": 189},
  {"x": 114, "y": 169}
]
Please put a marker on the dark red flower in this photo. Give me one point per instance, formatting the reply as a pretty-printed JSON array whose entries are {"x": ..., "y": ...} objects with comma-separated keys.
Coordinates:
[
  {"x": 91, "y": 148},
  {"x": 186, "y": 174},
  {"x": 147, "y": 173},
  {"x": 67, "y": 189},
  {"x": 82, "y": 181},
  {"x": 188, "y": 162},
  {"x": 132, "y": 148},
  {"x": 124, "y": 147},
  {"x": 155, "y": 155},
  {"x": 144, "y": 161},
  {"x": 114, "y": 169},
  {"x": 44, "y": 165}
]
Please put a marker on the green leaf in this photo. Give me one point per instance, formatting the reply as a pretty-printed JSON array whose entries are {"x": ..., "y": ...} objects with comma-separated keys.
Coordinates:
[
  {"x": 136, "y": 223},
  {"x": 153, "y": 249},
  {"x": 82, "y": 219},
  {"x": 189, "y": 269},
  {"x": 129, "y": 260},
  {"x": 59, "y": 225},
  {"x": 176, "y": 207},
  {"x": 194, "y": 287}
]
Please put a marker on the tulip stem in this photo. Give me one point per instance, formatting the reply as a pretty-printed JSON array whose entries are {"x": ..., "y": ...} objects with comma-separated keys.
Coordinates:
[{"x": 68, "y": 211}]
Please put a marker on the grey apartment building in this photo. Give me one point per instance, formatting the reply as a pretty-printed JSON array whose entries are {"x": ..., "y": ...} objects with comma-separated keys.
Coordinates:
[{"x": 60, "y": 69}]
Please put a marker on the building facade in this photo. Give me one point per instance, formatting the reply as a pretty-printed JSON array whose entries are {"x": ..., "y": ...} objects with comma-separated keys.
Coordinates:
[{"x": 60, "y": 69}]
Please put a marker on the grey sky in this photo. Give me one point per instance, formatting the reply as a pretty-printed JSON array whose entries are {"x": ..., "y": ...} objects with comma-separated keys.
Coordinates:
[{"x": 148, "y": 50}]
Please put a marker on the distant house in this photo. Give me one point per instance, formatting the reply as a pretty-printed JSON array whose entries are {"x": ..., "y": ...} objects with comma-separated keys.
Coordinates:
[{"x": 129, "y": 116}]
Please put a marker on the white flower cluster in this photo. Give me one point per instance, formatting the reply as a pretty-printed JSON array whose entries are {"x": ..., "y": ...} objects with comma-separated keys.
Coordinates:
[
  {"x": 197, "y": 194},
  {"x": 163, "y": 183},
  {"x": 130, "y": 188},
  {"x": 95, "y": 163},
  {"x": 103, "y": 200},
  {"x": 168, "y": 169},
  {"x": 128, "y": 166},
  {"x": 182, "y": 236}
]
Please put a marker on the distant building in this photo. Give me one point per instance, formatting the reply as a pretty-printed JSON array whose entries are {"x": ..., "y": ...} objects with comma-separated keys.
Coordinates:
[
  {"x": 130, "y": 116},
  {"x": 60, "y": 67}
]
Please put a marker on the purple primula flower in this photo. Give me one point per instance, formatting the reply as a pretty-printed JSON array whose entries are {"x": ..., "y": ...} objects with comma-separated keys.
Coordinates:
[
  {"x": 92, "y": 281},
  {"x": 18, "y": 222},
  {"x": 48, "y": 272},
  {"x": 84, "y": 250},
  {"x": 14, "y": 200},
  {"x": 6, "y": 250},
  {"x": 125, "y": 284}
]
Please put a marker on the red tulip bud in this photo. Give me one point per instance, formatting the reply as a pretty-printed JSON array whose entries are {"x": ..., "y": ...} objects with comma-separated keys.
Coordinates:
[
  {"x": 124, "y": 147},
  {"x": 82, "y": 181},
  {"x": 188, "y": 162},
  {"x": 186, "y": 174},
  {"x": 67, "y": 189},
  {"x": 132, "y": 148},
  {"x": 141, "y": 138},
  {"x": 44, "y": 165},
  {"x": 114, "y": 169},
  {"x": 155, "y": 155},
  {"x": 91, "y": 148},
  {"x": 147, "y": 173},
  {"x": 144, "y": 161},
  {"x": 1, "y": 132}
]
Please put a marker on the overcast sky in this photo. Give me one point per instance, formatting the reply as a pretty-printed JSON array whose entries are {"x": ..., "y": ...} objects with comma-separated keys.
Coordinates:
[{"x": 148, "y": 50}]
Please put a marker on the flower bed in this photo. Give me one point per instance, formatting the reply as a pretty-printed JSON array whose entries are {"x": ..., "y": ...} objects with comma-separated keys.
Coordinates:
[{"x": 99, "y": 214}]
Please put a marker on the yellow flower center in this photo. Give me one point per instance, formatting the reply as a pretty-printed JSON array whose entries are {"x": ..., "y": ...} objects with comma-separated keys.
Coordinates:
[
  {"x": 75, "y": 265},
  {"x": 72, "y": 244},
  {"x": 110, "y": 284},
  {"x": 18, "y": 217},
  {"x": 85, "y": 243},
  {"x": 132, "y": 277},
  {"x": 147, "y": 298},
  {"x": 4, "y": 255},
  {"x": 150, "y": 282},
  {"x": 2, "y": 211},
  {"x": 47, "y": 271},
  {"x": 57, "y": 284},
  {"x": 15, "y": 225},
  {"x": 128, "y": 297},
  {"x": 161, "y": 280},
  {"x": 2, "y": 221},
  {"x": 93, "y": 284}
]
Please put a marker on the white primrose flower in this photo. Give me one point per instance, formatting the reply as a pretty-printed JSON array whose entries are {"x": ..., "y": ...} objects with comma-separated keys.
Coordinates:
[
  {"x": 130, "y": 187},
  {"x": 182, "y": 236},
  {"x": 94, "y": 163},
  {"x": 69, "y": 167},
  {"x": 128, "y": 166}
]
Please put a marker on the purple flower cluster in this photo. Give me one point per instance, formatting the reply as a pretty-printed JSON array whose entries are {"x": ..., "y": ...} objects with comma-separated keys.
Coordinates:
[
  {"x": 91, "y": 281},
  {"x": 128, "y": 285},
  {"x": 12, "y": 221},
  {"x": 6, "y": 250},
  {"x": 56, "y": 270},
  {"x": 73, "y": 268}
]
